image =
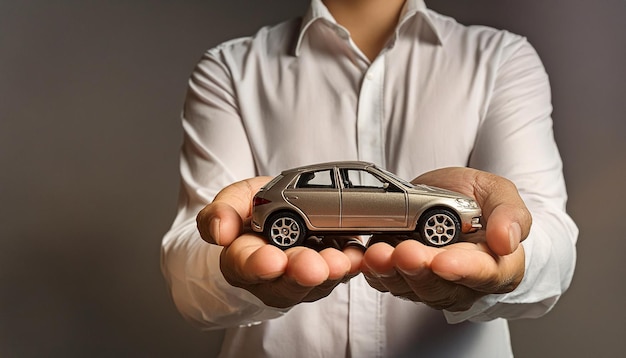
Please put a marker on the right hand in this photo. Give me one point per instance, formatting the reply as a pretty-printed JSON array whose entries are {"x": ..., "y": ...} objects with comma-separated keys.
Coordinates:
[{"x": 278, "y": 278}]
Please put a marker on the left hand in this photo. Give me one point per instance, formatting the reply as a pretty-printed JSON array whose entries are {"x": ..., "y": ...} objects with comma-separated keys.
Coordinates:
[{"x": 456, "y": 276}]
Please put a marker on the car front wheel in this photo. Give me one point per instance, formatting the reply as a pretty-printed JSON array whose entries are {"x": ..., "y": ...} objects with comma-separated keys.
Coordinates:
[
  {"x": 285, "y": 230},
  {"x": 439, "y": 227}
]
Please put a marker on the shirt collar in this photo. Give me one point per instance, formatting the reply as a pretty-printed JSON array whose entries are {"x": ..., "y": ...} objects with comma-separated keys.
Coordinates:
[{"x": 318, "y": 11}]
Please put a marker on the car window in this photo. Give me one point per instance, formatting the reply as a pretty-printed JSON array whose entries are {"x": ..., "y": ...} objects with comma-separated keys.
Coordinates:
[
  {"x": 321, "y": 179},
  {"x": 271, "y": 183},
  {"x": 357, "y": 178}
]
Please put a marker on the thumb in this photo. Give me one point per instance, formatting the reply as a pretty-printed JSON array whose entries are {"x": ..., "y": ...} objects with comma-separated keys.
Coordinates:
[{"x": 221, "y": 222}]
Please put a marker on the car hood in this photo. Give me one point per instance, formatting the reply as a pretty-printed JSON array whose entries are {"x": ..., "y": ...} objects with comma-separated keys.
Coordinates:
[{"x": 431, "y": 190}]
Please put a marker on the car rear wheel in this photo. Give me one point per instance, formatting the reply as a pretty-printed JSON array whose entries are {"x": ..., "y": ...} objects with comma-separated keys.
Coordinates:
[
  {"x": 285, "y": 230},
  {"x": 439, "y": 227}
]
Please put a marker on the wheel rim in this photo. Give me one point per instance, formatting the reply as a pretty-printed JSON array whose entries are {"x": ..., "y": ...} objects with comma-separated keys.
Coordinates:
[
  {"x": 439, "y": 229},
  {"x": 285, "y": 232}
]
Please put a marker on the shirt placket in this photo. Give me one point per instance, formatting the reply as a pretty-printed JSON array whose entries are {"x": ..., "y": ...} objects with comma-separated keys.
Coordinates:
[
  {"x": 370, "y": 140},
  {"x": 366, "y": 335}
]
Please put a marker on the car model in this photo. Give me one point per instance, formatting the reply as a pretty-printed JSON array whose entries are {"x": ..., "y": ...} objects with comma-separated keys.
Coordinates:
[{"x": 356, "y": 198}]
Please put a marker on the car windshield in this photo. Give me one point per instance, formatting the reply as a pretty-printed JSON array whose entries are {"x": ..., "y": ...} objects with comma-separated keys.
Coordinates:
[{"x": 397, "y": 178}]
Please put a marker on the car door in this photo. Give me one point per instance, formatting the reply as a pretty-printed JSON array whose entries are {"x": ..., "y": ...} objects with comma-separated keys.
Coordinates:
[
  {"x": 369, "y": 201},
  {"x": 316, "y": 195}
]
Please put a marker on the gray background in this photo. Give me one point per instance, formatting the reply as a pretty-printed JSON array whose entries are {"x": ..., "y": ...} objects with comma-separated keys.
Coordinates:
[{"x": 90, "y": 94}]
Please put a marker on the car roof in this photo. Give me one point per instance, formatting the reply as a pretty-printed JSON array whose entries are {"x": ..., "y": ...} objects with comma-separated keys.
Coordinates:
[{"x": 354, "y": 164}]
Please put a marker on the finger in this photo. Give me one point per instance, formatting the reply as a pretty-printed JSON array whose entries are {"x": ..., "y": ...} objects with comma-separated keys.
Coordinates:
[
  {"x": 508, "y": 219},
  {"x": 249, "y": 260},
  {"x": 375, "y": 282},
  {"x": 377, "y": 260},
  {"x": 480, "y": 269},
  {"x": 395, "y": 284},
  {"x": 355, "y": 255},
  {"x": 282, "y": 292},
  {"x": 507, "y": 226},
  {"x": 306, "y": 267},
  {"x": 278, "y": 278},
  {"x": 306, "y": 279},
  {"x": 239, "y": 195},
  {"x": 285, "y": 292},
  {"x": 381, "y": 273},
  {"x": 412, "y": 257},
  {"x": 413, "y": 260},
  {"x": 221, "y": 221},
  {"x": 321, "y": 291},
  {"x": 376, "y": 264},
  {"x": 339, "y": 264}
]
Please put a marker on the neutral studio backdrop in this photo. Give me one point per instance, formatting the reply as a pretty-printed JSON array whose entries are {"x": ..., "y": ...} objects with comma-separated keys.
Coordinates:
[{"x": 90, "y": 95}]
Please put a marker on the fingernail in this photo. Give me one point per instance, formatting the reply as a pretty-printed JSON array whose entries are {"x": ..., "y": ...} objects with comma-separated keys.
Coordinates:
[
  {"x": 408, "y": 272},
  {"x": 385, "y": 275},
  {"x": 214, "y": 227},
  {"x": 515, "y": 235},
  {"x": 271, "y": 276},
  {"x": 381, "y": 275},
  {"x": 449, "y": 276}
]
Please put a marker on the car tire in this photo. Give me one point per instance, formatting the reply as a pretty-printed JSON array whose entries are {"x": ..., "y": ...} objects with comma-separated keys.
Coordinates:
[
  {"x": 439, "y": 227},
  {"x": 285, "y": 230}
]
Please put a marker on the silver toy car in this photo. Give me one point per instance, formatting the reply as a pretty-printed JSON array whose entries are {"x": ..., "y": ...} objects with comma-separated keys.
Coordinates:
[{"x": 355, "y": 198}]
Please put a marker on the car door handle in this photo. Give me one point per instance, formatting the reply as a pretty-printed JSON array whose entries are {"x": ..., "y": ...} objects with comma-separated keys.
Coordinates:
[{"x": 293, "y": 197}]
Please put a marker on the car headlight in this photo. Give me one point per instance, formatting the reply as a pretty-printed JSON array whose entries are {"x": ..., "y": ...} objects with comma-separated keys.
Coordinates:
[{"x": 467, "y": 203}]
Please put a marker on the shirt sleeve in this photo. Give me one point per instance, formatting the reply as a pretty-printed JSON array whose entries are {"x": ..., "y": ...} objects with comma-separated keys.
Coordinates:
[
  {"x": 516, "y": 141},
  {"x": 215, "y": 153}
]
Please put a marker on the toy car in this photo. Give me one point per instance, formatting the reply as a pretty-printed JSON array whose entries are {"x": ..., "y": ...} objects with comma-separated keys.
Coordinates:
[{"x": 356, "y": 198}]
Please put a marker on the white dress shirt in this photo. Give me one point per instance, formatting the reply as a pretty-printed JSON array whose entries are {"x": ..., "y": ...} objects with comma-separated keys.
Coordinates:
[{"x": 439, "y": 94}]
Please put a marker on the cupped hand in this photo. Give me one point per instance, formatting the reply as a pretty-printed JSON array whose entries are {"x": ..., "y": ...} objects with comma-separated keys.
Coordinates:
[
  {"x": 456, "y": 276},
  {"x": 278, "y": 278}
]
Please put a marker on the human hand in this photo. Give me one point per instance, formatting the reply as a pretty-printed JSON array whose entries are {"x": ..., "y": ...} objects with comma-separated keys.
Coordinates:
[
  {"x": 455, "y": 276},
  {"x": 278, "y": 278}
]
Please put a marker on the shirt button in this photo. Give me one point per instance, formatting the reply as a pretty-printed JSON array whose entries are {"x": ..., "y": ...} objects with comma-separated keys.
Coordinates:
[{"x": 369, "y": 77}]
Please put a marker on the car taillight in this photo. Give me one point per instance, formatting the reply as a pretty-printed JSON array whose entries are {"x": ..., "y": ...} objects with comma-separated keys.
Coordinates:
[{"x": 260, "y": 201}]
